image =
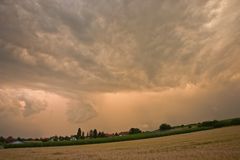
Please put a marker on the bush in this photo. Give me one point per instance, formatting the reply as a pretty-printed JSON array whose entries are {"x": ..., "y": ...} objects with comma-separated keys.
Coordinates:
[
  {"x": 134, "y": 131},
  {"x": 164, "y": 126},
  {"x": 235, "y": 121},
  {"x": 219, "y": 124},
  {"x": 208, "y": 123}
]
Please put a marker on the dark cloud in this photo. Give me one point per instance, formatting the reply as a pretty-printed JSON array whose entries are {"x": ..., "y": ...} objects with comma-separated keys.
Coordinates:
[{"x": 79, "y": 48}]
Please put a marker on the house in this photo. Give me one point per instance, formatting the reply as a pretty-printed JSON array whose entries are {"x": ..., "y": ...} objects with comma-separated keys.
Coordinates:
[
  {"x": 73, "y": 138},
  {"x": 123, "y": 133},
  {"x": 109, "y": 134},
  {"x": 10, "y": 139},
  {"x": 54, "y": 138}
]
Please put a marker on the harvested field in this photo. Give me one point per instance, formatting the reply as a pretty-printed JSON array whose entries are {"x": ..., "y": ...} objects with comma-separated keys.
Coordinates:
[{"x": 222, "y": 143}]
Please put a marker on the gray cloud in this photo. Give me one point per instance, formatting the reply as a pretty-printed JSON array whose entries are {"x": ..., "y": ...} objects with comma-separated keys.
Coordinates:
[
  {"x": 80, "y": 111},
  {"x": 152, "y": 46},
  {"x": 79, "y": 48}
]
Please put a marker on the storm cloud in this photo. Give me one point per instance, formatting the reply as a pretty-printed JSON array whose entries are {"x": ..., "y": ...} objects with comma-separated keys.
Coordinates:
[
  {"x": 13, "y": 102},
  {"x": 184, "y": 51}
]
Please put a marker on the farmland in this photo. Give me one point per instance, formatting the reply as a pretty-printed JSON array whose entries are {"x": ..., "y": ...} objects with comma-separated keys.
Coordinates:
[
  {"x": 206, "y": 125},
  {"x": 221, "y": 143}
]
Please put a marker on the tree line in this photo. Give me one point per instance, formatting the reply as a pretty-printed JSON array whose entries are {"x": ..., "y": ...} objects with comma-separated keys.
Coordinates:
[{"x": 94, "y": 133}]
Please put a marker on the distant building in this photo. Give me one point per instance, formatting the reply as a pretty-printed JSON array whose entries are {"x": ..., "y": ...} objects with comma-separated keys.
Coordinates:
[
  {"x": 109, "y": 134},
  {"x": 10, "y": 139},
  {"x": 54, "y": 138},
  {"x": 16, "y": 142},
  {"x": 123, "y": 133},
  {"x": 73, "y": 139}
]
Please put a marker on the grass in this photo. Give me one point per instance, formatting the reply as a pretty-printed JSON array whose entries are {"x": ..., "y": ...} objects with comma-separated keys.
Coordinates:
[
  {"x": 221, "y": 143},
  {"x": 108, "y": 139},
  {"x": 177, "y": 130}
]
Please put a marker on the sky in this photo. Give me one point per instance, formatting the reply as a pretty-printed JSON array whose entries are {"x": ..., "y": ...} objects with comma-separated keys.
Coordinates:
[{"x": 113, "y": 65}]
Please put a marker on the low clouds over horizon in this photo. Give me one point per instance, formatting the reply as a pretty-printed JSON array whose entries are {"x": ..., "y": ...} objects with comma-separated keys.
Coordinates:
[{"x": 174, "y": 61}]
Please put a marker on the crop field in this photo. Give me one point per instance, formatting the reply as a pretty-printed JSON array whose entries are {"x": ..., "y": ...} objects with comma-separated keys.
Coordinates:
[{"x": 221, "y": 143}]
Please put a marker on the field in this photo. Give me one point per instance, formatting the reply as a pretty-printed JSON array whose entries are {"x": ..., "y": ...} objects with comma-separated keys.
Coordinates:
[
  {"x": 221, "y": 143},
  {"x": 129, "y": 137},
  {"x": 206, "y": 125}
]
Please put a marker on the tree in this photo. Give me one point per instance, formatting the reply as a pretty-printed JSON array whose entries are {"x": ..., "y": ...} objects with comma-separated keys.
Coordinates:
[
  {"x": 235, "y": 121},
  {"x": 83, "y": 135},
  {"x": 208, "y": 123},
  {"x": 61, "y": 138},
  {"x": 9, "y": 139},
  {"x": 2, "y": 139},
  {"x": 67, "y": 138},
  {"x": 95, "y": 133},
  {"x": 101, "y": 134},
  {"x": 79, "y": 133},
  {"x": 88, "y": 135},
  {"x": 164, "y": 127},
  {"x": 54, "y": 138},
  {"x": 91, "y": 134},
  {"x": 19, "y": 138},
  {"x": 134, "y": 131}
]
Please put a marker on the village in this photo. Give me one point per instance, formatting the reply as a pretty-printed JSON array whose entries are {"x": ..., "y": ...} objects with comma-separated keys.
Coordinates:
[{"x": 78, "y": 136}]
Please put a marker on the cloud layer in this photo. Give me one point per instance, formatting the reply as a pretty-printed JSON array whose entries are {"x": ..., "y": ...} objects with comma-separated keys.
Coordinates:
[
  {"x": 14, "y": 102},
  {"x": 84, "y": 49}
]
